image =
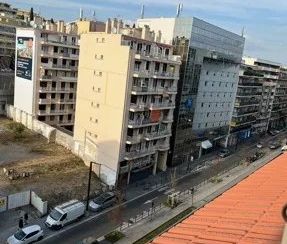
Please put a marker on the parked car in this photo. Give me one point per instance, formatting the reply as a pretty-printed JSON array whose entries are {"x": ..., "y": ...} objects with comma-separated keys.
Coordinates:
[
  {"x": 259, "y": 145},
  {"x": 284, "y": 148},
  {"x": 103, "y": 201},
  {"x": 274, "y": 145},
  {"x": 224, "y": 153},
  {"x": 65, "y": 213},
  {"x": 28, "y": 234}
]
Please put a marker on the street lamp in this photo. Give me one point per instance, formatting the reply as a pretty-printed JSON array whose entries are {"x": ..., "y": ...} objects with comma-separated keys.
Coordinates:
[{"x": 89, "y": 182}]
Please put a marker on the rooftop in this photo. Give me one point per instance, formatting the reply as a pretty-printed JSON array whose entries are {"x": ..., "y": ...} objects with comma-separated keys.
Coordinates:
[{"x": 248, "y": 213}]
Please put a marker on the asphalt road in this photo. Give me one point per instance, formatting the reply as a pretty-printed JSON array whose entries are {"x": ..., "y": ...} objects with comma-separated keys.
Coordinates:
[{"x": 110, "y": 220}]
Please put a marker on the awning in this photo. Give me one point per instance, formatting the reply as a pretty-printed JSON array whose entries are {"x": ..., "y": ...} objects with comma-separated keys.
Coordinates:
[{"x": 206, "y": 144}]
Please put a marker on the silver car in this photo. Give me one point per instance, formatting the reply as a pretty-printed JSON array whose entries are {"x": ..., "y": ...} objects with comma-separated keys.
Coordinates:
[
  {"x": 26, "y": 235},
  {"x": 105, "y": 200}
]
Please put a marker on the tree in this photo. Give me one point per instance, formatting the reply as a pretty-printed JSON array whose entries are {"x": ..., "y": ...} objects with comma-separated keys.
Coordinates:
[
  {"x": 31, "y": 14},
  {"x": 52, "y": 21}
]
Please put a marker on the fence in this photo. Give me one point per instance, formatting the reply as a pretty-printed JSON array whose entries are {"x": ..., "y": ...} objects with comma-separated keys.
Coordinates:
[{"x": 21, "y": 199}]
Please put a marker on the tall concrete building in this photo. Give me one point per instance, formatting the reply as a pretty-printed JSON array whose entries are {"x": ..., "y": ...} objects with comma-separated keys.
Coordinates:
[
  {"x": 8, "y": 23},
  {"x": 211, "y": 58},
  {"x": 125, "y": 100},
  {"x": 46, "y": 74}
]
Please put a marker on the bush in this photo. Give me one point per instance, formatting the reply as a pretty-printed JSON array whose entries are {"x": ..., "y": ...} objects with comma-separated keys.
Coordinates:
[
  {"x": 17, "y": 129},
  {"x": 114, "y": 236}
]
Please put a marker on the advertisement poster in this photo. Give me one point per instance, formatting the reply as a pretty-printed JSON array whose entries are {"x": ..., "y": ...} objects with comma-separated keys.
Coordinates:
[{"x": 24, "y": 57}]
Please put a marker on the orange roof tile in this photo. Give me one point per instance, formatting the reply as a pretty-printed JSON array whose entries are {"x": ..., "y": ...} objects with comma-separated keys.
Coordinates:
[{"x": 248, "y": 213}]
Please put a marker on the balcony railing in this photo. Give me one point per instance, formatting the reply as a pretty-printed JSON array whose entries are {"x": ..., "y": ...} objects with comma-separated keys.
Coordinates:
[
  {"x": 54, "y": 89},
  {"x": 74, "y": 44},
  {"x": 146, "y": 89},
  {"x": 163, "y": 105},
  {"x": 139, "y": 153},
  {"x": 59, "y": 55},
  {"x": 163, "y": 75},
  {"x": 141, "y": 123},
  {"x": 55, "y": 112},
  {"x": 157, "y": 135},
  {"x": 134, "y": 139},
  {"x": 137, "y": 107},
  {"x": 162, "y": 147}
]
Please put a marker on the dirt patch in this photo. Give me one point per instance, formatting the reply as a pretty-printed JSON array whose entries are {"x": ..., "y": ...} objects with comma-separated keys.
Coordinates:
[{"x": 55, "y": 173}]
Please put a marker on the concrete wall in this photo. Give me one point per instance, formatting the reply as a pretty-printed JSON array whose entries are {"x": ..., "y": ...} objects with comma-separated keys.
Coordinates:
[
  {"x": 83, "y": 151},
  {"x": 101, "y": 99}
]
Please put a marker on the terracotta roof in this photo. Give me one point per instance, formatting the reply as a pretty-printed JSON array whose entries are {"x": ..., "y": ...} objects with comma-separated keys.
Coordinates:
[{"x": 248, "y": 213}]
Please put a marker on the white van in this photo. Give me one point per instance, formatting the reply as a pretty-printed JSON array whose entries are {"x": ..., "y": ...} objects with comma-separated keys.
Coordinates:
[{"x": 65, "y": 213}]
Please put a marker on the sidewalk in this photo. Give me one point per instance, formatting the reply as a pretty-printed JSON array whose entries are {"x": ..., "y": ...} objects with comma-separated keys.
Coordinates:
[{"x": 204, "y": 194}]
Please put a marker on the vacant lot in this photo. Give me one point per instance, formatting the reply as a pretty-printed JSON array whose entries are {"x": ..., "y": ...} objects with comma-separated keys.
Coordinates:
[{"x": 55, "y": 174}]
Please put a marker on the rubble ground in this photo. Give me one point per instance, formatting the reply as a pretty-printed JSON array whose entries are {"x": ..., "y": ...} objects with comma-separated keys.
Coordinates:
[{"x": 50, "y": 170}]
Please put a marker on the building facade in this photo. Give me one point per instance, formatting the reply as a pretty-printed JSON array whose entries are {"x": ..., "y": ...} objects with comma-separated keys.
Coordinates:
[
  {"x": 209, "y": 74},
  {"x": 8, "y": 23},
  {"x": 125, "y": 101},
  {"x": 261, "y": 94},
  {"x": 46, "y": 73}
]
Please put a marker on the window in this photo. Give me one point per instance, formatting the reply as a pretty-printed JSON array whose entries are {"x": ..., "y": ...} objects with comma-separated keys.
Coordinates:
[
  {"x": 99, "y": 89},
  {"x": 207, "y": 72},
  {"x": 206, "y": 124},
  {"x": 206, "y": 82},
  {"x": 102, "y": 57},
  {"x": 207, "y": 115},
  {"x": 147, "y": 65},
  {"x": 202, "y": 105},
  {"x": 44, "y": 60},
  {"x": 98, "y": 105}
]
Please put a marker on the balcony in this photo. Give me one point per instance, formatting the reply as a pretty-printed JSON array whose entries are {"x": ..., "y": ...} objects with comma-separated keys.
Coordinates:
[
  {"x": 248, "y": 94},
  {"x": 46, "y": 78},
  {"x": 138, "y": 153},
  {"x": 270, "y": 69},
  {"x": 137, "y": 90},
  {"x": 240, "y": 122},
  {"x": 244, "y": 113},
  {"x": 157, "y": 135},
  {"x": 46, "y": 41},
  {"x": 165, "y": 75},
  {"x": 157, "y": 57},
  {"x": 162, "y": 106},
  {"x": 246, "y": 103},
  {"x": 56, "y": 90},
  {"x": 162, "y": 147},
  {"x": 66, "y": 122},
  {"x": 167, "y": 119},
  {"x": 141, "y": 73},
  {"x": 60, "y": 55},
  {"x": 134, "y": 124},
  {"x": 134, "y": 139},
  {"x": 170, "y": 90},
  {"x": 275, "y": 77},
  {"x": 55, "y": 112},
  {"x": 137, "y": 107}
]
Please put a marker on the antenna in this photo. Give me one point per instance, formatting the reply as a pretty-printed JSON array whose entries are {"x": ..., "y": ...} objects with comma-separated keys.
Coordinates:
[
  {"x": 81, "y": 13},
  {"x": 243, "y": 31},
  {"x": 142, "y": 12},
  {"x": 94, "y": 14},
  {"x": 178, "y": 10}
]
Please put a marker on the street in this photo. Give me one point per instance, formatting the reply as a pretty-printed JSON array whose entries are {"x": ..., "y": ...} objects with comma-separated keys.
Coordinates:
[{"x": 107, "y": 221}]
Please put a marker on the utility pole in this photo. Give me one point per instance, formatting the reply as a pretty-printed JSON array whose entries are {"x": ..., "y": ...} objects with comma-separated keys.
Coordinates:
[{"x": 89, "y": 182}]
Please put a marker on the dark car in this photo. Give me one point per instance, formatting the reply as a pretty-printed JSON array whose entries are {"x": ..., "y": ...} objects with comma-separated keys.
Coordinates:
[
  {"x": 274, "y": 145},
  {"x": 224, "y": 153},
  {"x": 103, "y": 201}
]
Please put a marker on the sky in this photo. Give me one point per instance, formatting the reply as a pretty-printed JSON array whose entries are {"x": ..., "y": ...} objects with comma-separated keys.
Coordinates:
[{"x": 264, "y": 21}]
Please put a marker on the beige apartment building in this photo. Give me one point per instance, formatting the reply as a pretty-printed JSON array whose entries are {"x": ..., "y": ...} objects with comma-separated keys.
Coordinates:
[
  {"x": 125, "y": 101},
  {"x": 46, "y": 73}
]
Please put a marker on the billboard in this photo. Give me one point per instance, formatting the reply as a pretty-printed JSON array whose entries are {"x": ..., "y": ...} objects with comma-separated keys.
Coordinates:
[{"x": 24, "y": 57}]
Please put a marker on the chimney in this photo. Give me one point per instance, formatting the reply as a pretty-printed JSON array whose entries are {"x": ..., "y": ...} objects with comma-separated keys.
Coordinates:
[
  {"x": 108, "y": 26},
  {"x": 158, "y": 36},
  {"x": 145, "y": 32},
  {"x": 114, "y": 25},
  {"x": 61, "y": 26}
]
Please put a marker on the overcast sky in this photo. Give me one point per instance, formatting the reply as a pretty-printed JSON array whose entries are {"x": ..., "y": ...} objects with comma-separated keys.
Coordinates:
[{"x": 265, "y": 21}]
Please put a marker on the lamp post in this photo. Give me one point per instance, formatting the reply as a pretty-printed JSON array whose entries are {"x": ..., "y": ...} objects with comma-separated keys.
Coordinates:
[{"x": 89, "y": 182}]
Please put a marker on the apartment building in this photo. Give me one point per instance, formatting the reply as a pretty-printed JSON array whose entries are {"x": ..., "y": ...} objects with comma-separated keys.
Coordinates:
[
  {"x": 46, "y": 74},
  {"x": 125, "y": 101},
  {"x": 261, "y": 94},
  {"x": 245, "y": 118},
  {"x": 211, "y": 58},
  {"x": 8, "y": 23},
  {"x": 270, "y": 71}
]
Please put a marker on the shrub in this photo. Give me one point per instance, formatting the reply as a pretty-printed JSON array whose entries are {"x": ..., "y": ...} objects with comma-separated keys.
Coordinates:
[
  {"x": 114, "y": 236},
  {"x": 17, "y": 129}
]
